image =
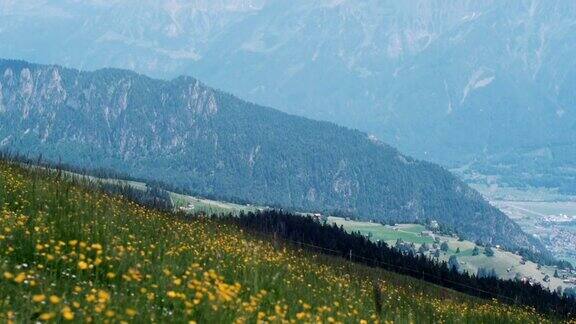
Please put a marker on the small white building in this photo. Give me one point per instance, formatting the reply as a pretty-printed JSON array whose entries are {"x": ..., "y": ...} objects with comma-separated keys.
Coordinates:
[{"x": 187, "y": 208}]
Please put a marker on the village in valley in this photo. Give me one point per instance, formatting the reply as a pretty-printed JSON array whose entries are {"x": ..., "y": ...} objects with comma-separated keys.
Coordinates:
[{"x": 429, "y": 240}]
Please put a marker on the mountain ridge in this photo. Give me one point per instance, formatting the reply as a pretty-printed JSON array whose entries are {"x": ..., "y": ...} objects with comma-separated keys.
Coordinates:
[{"x": 191, "y": 136}]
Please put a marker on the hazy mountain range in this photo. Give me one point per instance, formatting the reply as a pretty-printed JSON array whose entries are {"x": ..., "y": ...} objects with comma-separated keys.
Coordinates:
[
  {"x": 203, "y": 140},
  {"x": 486, "y": 84}
]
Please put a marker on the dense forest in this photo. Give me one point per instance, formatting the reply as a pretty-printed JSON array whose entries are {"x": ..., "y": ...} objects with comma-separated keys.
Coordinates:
[
  {"x": 308, "y": 233},
  {"x": 185, "y": 134}
]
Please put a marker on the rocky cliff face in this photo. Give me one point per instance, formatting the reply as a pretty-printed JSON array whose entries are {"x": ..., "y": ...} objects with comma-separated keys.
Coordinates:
[{"x": 191, "y": 136}]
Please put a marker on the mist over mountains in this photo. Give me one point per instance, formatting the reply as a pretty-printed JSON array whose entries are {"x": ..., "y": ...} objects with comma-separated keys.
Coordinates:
[{"x": 485, "y": 84}]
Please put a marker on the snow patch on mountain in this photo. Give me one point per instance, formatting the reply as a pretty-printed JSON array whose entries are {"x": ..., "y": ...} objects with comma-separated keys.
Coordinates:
[{"x": 479, "y": 79}]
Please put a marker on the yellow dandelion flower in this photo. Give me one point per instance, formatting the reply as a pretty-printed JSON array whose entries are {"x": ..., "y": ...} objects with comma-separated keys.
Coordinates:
[
  {"x": 20, "y": 277},
  {"x": 47, "y": 316},
  {"x": 38, "y": 298},
  {"x": 67, "y": 313},
  {"x": 54, "y": 299},
  {"x": 103, "y": 296}
]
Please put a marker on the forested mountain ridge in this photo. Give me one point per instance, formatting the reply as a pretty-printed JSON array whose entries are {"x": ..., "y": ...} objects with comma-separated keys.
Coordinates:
[
  {"x": 191, "y": 136},
  {"x": 484, "y": 83}
]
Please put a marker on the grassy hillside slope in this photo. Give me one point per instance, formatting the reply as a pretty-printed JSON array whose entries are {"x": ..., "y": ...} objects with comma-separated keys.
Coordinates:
[{"x": 71, "y": 253}]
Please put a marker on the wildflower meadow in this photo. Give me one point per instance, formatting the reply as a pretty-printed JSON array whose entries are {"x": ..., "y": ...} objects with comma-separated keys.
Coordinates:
[{"x": 69, "y": 252}]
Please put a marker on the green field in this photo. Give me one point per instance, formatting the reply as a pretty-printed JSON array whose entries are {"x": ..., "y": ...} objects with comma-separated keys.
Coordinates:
[
  {"x": 378, "y": 232},
  {"x": 209, "y": 206}
]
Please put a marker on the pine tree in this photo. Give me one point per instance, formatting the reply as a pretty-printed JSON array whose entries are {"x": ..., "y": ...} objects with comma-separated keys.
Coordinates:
[
  {"x": 444, "y": 246},
  {"x": 453, "y": 263}
]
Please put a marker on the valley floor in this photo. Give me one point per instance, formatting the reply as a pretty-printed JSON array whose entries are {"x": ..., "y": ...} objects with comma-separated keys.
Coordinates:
[{"x": 542, "y": 212}]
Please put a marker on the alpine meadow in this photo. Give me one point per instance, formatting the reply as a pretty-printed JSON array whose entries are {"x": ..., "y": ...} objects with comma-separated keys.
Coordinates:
[
  {"x": 72, "y": 252},
  {"x": 287, "y": 161}
]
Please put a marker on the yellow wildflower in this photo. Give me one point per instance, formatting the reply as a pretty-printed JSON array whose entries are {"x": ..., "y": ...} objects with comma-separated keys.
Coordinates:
[
  {"x": 103, "y": 296},
  {"x": 82, "y": 265},
  {"x": 67, "y": 313},
  {"x": 47, "y": 316},
  {"x": 38, "y": 298},
  {"x": 54, "y": 299},
  {"x": 20, "y": 277}
]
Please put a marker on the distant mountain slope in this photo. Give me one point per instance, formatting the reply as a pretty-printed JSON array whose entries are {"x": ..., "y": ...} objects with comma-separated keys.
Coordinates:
[
  {"x": 454, "y": 82},
  {"x": 186, "y": 134}
]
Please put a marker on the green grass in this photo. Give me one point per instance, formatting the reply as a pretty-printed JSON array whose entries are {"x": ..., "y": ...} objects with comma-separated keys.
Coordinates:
[
  {"x": 406, "y": 232},
  {"x": 201, "y": 205},
  {"x": 70, "y": 253},
  {"x": 209, "y": 207}
]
